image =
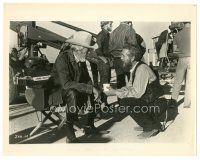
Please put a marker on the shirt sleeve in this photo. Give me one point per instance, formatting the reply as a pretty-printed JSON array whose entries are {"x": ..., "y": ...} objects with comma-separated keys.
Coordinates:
[{"x": 139, "y": 86}]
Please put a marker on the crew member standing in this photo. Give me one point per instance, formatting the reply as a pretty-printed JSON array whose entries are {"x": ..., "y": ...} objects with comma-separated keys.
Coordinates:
[
  {"x": 123, "y": 37},
  {"x": 182, "y": 41}
]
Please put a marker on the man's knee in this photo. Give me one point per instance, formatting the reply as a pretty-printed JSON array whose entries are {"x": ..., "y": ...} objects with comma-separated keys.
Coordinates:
[
  {"x": 69, "y": 96},
  {"x": 72, "y": 93}
]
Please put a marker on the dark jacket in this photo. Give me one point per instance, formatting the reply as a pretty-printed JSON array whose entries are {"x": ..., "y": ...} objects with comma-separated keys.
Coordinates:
[
  {"x": 140, "y": 41},
  {"x": 142, "y": 49},
  {"x": 68, "y": 74},
  {"x": 162, "y": 39},
  {"x": 123, "y": 37},
  {"x": 103, "y": 43}
]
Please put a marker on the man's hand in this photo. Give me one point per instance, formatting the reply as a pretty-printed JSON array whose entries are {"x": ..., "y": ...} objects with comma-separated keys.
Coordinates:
[
  {"x": 97, "y": 96},
  {"x": 103, "y": 59},
  {"x": 111, "y": 92}
]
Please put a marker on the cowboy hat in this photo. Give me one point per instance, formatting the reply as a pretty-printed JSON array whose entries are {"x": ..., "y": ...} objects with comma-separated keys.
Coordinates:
[
  {"x": 81, "y": 38},
  {"x": 176, "y": 25}
]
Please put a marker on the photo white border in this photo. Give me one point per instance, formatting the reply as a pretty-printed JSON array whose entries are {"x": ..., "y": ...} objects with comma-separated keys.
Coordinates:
[{"x": 1, "y": 68}]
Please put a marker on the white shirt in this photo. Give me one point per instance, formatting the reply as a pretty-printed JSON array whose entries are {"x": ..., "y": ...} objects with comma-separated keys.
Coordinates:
[{"x": 143, "y": 76}]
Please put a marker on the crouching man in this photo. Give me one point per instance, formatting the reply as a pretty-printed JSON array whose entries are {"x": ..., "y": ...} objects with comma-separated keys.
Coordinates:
[
  {"x": 142, "y": 89},
  {"x": 70, "y": 72}
]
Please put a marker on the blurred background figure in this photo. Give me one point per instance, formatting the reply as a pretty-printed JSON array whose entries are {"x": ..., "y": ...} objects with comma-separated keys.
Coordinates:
[
  {"x": 182, "y": 42},
  {"x": 100, "y": 59},
  {"x": 103, "y": 53},
  {"x": 142, "y": 46}
]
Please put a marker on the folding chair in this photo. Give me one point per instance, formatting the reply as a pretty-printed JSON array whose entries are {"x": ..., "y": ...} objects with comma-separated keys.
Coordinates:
[{"x": 37, "y": 98}]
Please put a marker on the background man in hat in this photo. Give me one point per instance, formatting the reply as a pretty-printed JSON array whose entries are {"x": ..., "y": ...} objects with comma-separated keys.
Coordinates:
[
  {"x": 123, "y": 37},
  {"x": 102, "y": 56},
  {"x": 70, "y": 72},
  {"x": 102, "y": 51}
]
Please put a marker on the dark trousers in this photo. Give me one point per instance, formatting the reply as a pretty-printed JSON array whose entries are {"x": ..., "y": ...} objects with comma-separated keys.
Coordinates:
[
  {"x": 94, "y": 73},
  {"x": 75, "y": 101},
  {"x": 104, "y": 72},
  {"x": 147, "y": 120},
  {"x": 105, "y": 76}
]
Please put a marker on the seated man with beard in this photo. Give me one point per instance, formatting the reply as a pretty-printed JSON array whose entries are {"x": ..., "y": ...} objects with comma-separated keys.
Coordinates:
[
  {"x": 75, "y": 88},
  {"x": 141, "y": 90}
]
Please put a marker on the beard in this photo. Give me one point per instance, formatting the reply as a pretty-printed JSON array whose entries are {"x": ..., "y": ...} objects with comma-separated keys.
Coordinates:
[
  {"x": 109, "y": 29},
  {"x": 80, "y": 56},
  {"x": 127, "y": 66}
]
